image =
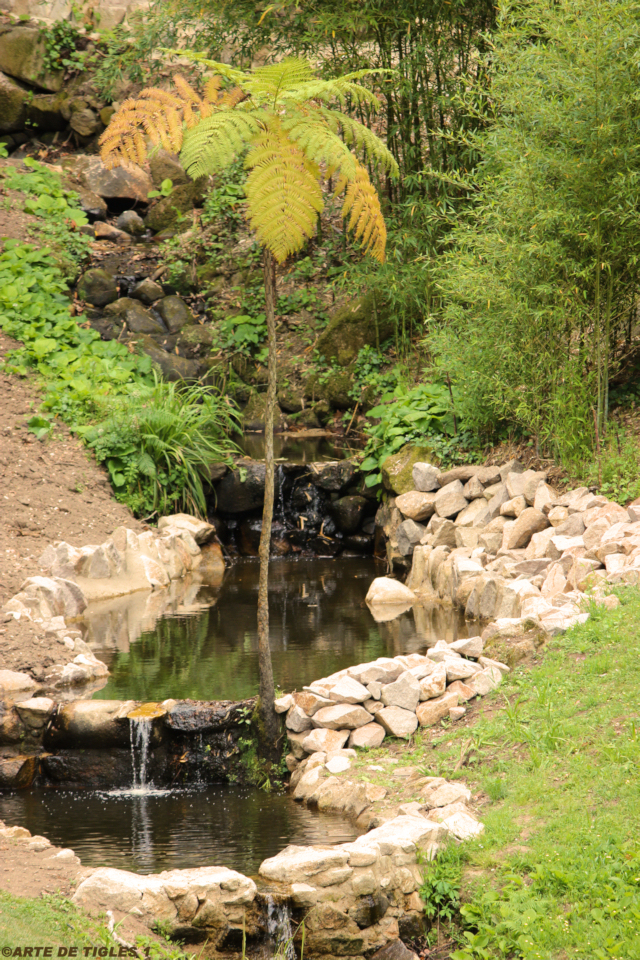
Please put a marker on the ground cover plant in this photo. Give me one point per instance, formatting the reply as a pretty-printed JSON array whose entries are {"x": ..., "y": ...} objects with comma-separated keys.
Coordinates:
[{"x": 156, "y": 439}]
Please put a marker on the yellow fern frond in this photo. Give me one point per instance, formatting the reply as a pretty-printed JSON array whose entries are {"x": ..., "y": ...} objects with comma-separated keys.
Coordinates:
[
  {"x": 283, "y": 193},
  {"x": 312, "y": 134},
  {"x": 231, "y": 98},
  {"x": 362, "y": 207},
  {"x": 361, "y": 137}
]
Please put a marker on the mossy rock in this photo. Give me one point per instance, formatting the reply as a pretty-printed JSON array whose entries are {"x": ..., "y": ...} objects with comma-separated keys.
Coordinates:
[
  {"x": 170, "y": 365},
  {"x": 334, "y": 387},
  {"x": 290, "y": 400},
  {"x": 166, "y": 212},
  {"x": 253, "y": 415},
  {"x": 352, "y": 327},
  {"x": 195, "y": 341},
  {"x": 249, "y": 369},
  {"x": 397, "y": 470}
]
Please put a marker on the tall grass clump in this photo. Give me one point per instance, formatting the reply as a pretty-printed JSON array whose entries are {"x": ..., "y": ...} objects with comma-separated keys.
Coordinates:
[
  {"x": 158, "y": 444},
  {"x": 541, "y": 275}
]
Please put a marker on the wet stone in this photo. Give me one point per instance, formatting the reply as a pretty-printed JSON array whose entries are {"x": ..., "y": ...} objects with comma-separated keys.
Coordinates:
[{"x": 174, "y": 313}]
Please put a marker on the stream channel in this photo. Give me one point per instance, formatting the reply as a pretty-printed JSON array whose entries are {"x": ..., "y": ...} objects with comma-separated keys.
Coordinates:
[{"x": 319, "y": 624}]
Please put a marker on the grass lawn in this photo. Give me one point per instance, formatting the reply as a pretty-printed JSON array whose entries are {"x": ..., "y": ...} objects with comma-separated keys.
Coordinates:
[{"x": 557, "y": 872}]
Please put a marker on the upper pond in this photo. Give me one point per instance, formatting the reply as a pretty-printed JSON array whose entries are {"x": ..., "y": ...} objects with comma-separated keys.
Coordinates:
[{"x": 319, "y": 623}]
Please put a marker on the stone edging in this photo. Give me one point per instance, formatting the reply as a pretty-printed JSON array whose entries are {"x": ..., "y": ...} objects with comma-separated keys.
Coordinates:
[{"x": 124, "y": 564}]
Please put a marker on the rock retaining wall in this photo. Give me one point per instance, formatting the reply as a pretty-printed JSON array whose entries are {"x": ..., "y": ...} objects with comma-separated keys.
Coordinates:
[{"x": 503, "y": 545}]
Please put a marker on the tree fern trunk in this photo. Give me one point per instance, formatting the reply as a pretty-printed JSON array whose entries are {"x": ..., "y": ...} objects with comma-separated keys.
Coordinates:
[{"x": 269, "y": 726}]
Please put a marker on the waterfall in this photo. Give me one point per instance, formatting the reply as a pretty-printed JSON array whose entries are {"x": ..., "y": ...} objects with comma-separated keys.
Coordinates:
[
  {"x": 279, "y": 929},
  {"x": 140, "y": 736},
  {"x": 279, "y": 512}
]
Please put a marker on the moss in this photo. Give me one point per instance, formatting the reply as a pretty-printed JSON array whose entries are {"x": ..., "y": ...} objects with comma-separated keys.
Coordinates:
[
  {"x": 397, "y": 470},
  {"x": 359, "y": 323}
]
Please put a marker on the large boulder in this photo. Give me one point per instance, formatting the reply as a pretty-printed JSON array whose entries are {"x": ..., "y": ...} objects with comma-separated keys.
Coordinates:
[
  {"x": 121, "y": 183},
  {"x": 242, "y": 489},
  {"x": 416, "y": 505},
  {"x": 333, "y": 475},
  {"x": 45, "y": 112},
  {"x": 12, "y": 109},
  {"x": 359, "y": 323},
  {"x": 166, "y": 212},
  {"x": 171, "y": 366},
  {"x": 348, "y": 512},
  {"x": 386, "y": 590},
  {"x": 22, "y": 55},
  {"x": 174, "y": 313},
  {"x": 137, "y": 318}
]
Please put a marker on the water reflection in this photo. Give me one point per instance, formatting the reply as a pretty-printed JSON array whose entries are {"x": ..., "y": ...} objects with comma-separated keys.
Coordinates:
[
  {"x": 225, "y": 825},
  {"x": 298, "y": 449},
  {"x": 319, "y": 624}
]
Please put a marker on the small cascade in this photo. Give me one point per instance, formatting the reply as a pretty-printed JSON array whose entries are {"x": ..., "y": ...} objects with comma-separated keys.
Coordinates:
[
  {"x": 279, "y": 929},
  {"x": 279, "y": 486},
  {"x": 140, "y": 736}
]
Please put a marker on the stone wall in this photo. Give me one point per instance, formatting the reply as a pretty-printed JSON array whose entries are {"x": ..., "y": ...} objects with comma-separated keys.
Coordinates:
[{"x": 504, "y": 546}]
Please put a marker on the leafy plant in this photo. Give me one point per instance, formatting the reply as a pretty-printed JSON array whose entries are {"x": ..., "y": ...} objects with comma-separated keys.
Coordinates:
[
  {"x": 440, "y": 889},
  {"x": 243, "y": 332},
  {"x": 422, "y": 413},
  {"x": 165, "y": 190},
  {"x": 78, "y": 368},
  {"x": 158, "y": 445},
  {"x": 63, "y": 45},
  {"x": 40, "y": 426},
  {"x": 3, "y": 149}
]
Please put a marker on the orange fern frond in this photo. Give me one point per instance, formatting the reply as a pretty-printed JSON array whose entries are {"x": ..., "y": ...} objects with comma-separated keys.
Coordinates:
[
  {"x": 362, "y": 207},
  {"x": 186, "y": 90}
]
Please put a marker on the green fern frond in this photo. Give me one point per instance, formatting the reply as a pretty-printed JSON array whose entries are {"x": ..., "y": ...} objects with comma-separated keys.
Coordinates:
[
  {"x": 328, "y": 90},
  {"x": 357, "y": 135},
  {"x": 277, "y": 78},
  {"x": 216, "y": 140},
  {"x": 312, "y": 134},
  {"x": 283, "y": 193},
  {"x": 238, "y": 77}
]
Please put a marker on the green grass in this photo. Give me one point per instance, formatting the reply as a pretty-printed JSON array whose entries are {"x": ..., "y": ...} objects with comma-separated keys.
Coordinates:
[
  {"x": 557, "y": 872},
  {"x": 53, "y": 921}
]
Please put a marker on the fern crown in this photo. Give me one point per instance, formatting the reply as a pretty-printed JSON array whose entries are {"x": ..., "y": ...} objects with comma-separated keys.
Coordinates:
[{"x": 280, "y": 116}]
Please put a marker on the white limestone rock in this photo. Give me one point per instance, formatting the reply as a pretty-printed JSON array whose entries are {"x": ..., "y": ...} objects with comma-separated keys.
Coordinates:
[
  {"x": 403, "y": 692},
  {"x": 398, "y": 722}
]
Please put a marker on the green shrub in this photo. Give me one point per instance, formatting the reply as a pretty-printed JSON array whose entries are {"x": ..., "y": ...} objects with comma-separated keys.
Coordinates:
[{"x": 159, "y": 443}]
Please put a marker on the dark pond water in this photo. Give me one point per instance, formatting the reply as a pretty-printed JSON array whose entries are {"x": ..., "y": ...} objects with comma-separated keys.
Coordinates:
[
  {"x": 225, "y": 825},
  {"x": 298, "y": 449},
  {"x": 319, "y": 624}
]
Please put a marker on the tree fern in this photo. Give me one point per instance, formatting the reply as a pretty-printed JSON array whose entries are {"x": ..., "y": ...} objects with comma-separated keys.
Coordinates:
[
  {"x": 216, "y": 141},
  {"x": 283, "y": 193},
  {"x": 357, "y": 135}
]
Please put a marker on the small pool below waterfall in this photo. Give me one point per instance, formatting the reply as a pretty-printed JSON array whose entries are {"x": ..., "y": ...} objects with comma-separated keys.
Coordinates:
[
  {"x": 303, "y": 448},
  {"x": 147, "y": 831},
  {"x": 319, "y": 623}
]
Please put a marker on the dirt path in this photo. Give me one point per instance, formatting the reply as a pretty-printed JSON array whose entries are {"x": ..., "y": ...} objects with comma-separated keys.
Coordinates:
[{"x": 49, "y": 490}]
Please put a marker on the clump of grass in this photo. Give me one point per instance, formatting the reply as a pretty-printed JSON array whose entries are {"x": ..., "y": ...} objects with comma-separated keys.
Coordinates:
[{"x": 158, "y": 445}]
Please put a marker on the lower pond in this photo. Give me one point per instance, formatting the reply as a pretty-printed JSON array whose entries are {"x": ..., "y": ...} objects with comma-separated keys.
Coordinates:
[
  {"x": 207, "y": 649},
  {"x": 319, "y": 623},
  {"x": 146, "y": 830}
]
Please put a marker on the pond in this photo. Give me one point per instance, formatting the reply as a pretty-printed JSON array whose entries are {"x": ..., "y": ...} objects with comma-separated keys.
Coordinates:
[
  {"x": 146, "y": 831},
  {"x": 319, "y": 623}
]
